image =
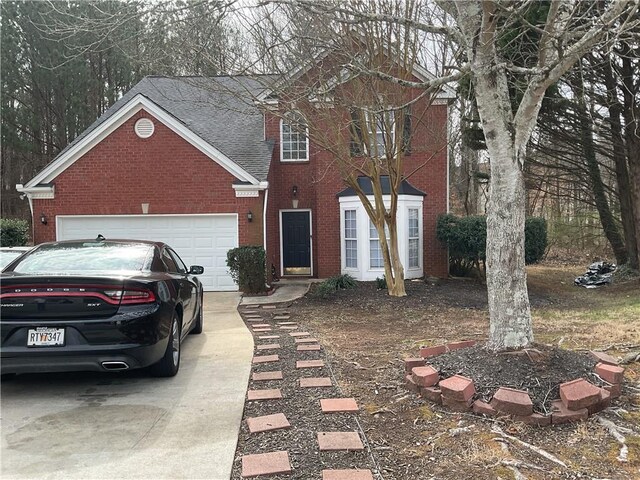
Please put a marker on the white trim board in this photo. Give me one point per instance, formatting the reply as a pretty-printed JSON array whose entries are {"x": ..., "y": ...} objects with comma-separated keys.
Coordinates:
[{"x": 128, "y": 110}]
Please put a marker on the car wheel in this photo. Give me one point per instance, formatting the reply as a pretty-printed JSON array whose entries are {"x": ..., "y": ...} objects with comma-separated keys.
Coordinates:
[
  {"x": 197, "y": 326},
  {"x": 170, "y": 362}
]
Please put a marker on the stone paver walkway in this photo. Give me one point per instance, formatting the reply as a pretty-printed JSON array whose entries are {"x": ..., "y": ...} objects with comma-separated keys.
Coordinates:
[{"x": 299, "y": 350}]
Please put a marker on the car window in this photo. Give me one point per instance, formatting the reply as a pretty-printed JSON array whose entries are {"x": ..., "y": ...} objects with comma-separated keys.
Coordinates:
[
  {"x": 7, "y": 257},
  {"x": 182, "y": 268},
  {"x": 83, "y": 257},
  {"x": 169, "y": 262}
]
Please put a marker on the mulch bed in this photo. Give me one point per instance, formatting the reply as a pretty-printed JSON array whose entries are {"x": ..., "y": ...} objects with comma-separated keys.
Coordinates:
[
  {"x": 539, "y": 371},
  {"x": 301, "y": 406}
]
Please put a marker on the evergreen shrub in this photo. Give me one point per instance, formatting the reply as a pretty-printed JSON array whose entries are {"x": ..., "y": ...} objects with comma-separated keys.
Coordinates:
[
  {"x": 13, "y": 232},
  {"x": 247, "y": 268},
  {"x": 466, "y": 238}
]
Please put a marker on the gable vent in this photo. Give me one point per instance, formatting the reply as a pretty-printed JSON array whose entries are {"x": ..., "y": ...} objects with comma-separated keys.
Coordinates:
[{"x": 144, "y": 128}]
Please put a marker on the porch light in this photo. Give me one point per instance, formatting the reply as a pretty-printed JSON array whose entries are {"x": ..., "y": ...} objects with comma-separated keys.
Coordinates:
[
  {"x": 294, "y": 191},
  {"x": 43, "y": 218},
  {"x": 249, "y": 216}
]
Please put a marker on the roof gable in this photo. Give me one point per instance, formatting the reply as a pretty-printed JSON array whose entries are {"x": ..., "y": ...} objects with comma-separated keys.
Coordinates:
[
  {"x": 270, "y": 95},
  {"x": 211, "y": 114}
]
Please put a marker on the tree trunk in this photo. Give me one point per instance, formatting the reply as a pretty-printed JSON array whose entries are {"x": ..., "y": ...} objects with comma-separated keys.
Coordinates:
[
  {"x": 607, "y": 220},
  {"x": 398, "y": 289},
  {"x": 393, "y": 269},
  {"x": 624, "y": 190},
  {"x": 509, "y": 311},
  {"x": 631, "y": 113}
]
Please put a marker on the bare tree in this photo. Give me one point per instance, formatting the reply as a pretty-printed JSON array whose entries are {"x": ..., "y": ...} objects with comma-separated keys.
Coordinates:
[
  {"x": 349, "y": 88},
  {"x": 566, "y": 32}
]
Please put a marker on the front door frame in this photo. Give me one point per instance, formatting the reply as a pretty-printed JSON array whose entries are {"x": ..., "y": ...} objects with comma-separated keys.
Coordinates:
[{"x": 282, "y": 274}]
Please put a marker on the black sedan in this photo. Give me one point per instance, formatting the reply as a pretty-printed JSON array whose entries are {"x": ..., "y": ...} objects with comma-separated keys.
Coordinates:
[{"x": 101, "y": 305}]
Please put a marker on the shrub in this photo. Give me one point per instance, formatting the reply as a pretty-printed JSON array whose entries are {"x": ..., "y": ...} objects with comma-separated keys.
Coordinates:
[
  {"x": 247, "y": 268},
  {"x": 342, "y": 282},
  {"x": 13, "y": 232},
  {"x": 381, "y": 283},
  {"x": 333, "y": 284},
  {"x": 323, "y": 290},
  {"x": 466, "y": 238},
  {"x": 535, "y": 239}
]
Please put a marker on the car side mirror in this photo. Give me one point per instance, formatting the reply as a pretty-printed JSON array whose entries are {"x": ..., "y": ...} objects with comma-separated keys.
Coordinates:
[{"x": 196, "y": 270}]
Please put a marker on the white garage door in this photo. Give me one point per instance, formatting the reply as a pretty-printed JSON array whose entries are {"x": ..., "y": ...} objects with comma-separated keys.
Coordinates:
[{"x": 198, "y": 239}]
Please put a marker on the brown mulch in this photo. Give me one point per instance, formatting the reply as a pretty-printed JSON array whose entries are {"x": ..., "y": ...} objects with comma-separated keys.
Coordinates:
[
  {"x": 366, "y": 334},
  {"x": 538, "y": 371}
]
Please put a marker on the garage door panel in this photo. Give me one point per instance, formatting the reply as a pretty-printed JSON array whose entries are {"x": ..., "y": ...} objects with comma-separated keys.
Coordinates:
[
  {"x": 198, "y": 239},
  {"x": 225, "y": 242}
]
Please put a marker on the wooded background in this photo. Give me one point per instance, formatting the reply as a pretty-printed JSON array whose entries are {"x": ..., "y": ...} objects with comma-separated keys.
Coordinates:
[{"x": 64, "y": 63}]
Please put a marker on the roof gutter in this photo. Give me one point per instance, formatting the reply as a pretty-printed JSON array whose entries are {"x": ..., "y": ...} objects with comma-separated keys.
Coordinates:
[{"x": 39, "y": 192}]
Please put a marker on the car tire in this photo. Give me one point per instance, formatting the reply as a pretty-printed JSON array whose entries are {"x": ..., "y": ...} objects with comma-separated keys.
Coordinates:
[
  {"x": 169, "y": 364},
  {"x": 199, "y": 322}
]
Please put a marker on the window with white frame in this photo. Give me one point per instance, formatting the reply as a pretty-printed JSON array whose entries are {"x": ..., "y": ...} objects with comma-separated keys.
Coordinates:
[
  {"x": 375, "y": 249},
  {"x": 384, "y": 125},
  {"x": 294, "y": 142},
  {"x": 360, "y": 243},
  {"x": 414, "y": 238},
  {"x": 350, "y": 239}
]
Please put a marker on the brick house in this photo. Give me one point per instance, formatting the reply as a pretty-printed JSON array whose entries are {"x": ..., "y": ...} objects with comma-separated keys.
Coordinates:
[{"x": 200, "y": 164}]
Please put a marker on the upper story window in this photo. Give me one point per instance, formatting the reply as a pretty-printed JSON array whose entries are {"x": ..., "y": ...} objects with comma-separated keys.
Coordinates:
[
  {"x": 294, "y": 141},
  {"x": 384, "y": 134},
  {"x": 372, "y": 133}
]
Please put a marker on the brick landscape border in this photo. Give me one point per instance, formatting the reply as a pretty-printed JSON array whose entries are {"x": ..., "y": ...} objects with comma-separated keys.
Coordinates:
[{"x": 578, "y": 398}]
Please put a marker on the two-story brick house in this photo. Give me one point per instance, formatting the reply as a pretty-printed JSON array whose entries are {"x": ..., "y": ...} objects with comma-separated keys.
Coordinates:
[{"x": 200, "y": 164}]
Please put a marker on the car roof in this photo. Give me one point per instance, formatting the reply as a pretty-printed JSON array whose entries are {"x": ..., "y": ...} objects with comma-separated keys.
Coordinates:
[{"x": 114, "y": 241}]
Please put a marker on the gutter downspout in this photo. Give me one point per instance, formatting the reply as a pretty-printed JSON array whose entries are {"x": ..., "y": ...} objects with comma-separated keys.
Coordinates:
[
  {"x": 19, "y": 188},
  {"x": 264, "y": 220}
]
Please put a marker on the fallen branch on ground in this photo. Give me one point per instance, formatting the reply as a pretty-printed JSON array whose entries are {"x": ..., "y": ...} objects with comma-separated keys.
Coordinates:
[
  {"x": 538, "y": 450},
  {"x": 454, "y": 432},
  {"x": 383, "y": 410},
  {"x": 514, "y": 465},
  {"x": 358, "y": 366},
  {"x": 614, "y": 430},
  {"x": 630, "y": 358}
]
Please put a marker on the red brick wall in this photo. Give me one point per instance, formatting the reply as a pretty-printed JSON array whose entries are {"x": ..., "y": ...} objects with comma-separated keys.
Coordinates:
[
  {"x": 165, "y": 171},
  {"x": 318, "y": 183},
  {"x": 123, "y": 171}
]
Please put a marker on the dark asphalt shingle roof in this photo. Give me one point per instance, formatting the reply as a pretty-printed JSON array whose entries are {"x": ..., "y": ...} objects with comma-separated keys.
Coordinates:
[
  {"x": 365, "y": 184},
  {"x": 220, "y": 110}
]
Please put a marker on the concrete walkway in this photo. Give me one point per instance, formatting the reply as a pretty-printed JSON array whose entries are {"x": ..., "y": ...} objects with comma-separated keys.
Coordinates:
[
  {"x": 105, "y": 426},
  {"x": 286, "y": 291}
]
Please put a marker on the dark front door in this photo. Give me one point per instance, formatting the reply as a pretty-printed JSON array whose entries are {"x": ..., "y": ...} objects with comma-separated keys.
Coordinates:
[{"x": 296, "y": 243}]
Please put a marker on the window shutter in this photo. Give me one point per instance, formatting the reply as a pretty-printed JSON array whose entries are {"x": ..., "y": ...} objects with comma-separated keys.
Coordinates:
[
  {"x": 406, "y": 131},
  {"x": 356, "y": 133}
]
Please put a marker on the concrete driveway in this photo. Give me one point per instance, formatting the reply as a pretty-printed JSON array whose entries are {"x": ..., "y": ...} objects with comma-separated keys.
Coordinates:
[{"x": 88, "y": 425}]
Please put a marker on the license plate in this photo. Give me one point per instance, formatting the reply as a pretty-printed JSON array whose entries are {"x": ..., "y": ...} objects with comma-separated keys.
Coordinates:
[{"x": 45, "y": 337}]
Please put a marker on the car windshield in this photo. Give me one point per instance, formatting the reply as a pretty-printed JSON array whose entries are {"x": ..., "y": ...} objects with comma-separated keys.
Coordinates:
[
  {"x": 73, "y": 258},
  {"x": 6, "y": 257}
]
